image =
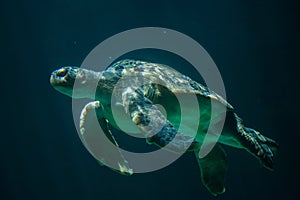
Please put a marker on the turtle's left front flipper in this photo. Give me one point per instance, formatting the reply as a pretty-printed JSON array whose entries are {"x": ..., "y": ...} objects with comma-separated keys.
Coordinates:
[
  {"x": 103, "y": 147},
  {"x": 153, "y": 124},
  {"x": 213, "y": 168}
]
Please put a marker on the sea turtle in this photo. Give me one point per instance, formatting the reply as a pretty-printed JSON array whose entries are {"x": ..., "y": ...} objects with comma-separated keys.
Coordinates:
[{"x": 138, "y": 101}]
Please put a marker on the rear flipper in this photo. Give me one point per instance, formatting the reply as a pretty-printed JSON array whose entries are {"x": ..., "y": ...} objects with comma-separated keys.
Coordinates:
[
  {"x": 213, "y": 168},
  {"x": 260, "y": 146}
]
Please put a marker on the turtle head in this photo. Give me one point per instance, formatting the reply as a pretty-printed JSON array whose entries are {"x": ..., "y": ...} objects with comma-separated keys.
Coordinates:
[
  {"x": 87, "y": 81},
  {"x": 63, "y": 80}
]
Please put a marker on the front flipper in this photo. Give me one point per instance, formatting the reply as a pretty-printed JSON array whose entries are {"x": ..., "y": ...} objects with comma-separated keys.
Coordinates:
[
  {"x": 106, "y": 152},
  {"x": 153, "y": 123},
  {"x": 213, "y": 168}
]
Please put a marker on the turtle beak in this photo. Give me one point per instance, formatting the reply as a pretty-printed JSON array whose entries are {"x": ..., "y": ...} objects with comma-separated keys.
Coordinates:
[
  {"x": 64, "y": 76},
  {"x": 63, "y": 79},
  {"x": 58, "y": 76}
]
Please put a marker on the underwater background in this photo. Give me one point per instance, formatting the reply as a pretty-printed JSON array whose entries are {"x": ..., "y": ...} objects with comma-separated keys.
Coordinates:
[{"x": 253, "y": 43}]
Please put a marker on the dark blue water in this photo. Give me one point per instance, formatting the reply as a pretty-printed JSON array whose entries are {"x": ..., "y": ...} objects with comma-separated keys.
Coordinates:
[{"x": 252, "y": 43}]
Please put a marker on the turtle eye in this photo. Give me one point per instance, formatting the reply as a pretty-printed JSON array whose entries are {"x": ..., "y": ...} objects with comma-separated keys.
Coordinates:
[{"x": 62, "y": 72}]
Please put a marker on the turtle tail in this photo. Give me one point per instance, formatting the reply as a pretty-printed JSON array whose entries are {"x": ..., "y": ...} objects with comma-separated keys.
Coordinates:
[{"x": 257, "y": 144}]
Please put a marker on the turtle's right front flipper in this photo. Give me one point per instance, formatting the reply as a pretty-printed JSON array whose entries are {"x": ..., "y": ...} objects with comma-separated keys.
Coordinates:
[
  {"x": 103, "y": 147},
  {"x": 154, "y": 125}
]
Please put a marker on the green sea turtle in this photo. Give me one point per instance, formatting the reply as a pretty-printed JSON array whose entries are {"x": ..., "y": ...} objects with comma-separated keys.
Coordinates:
[{"x": 162, "y": 87}]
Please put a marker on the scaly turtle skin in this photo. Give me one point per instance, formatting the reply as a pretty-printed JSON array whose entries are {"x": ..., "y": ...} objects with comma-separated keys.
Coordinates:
[{"x": 162, "y": 85}]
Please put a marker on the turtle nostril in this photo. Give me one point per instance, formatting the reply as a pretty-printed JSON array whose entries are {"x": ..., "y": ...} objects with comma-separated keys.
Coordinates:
[{"x": 62, "y": 72}]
